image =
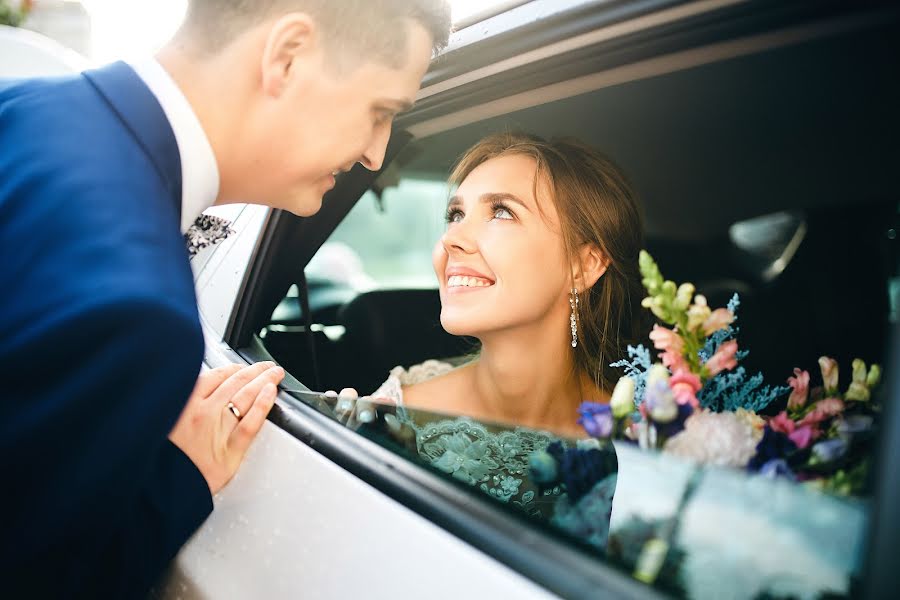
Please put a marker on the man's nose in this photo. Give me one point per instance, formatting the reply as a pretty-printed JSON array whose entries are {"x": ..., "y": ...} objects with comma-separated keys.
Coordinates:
[{"x": 373, "y": 156}]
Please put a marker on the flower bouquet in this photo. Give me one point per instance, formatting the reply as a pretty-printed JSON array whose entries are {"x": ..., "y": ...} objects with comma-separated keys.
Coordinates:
[{"x": 698, "y": 403}]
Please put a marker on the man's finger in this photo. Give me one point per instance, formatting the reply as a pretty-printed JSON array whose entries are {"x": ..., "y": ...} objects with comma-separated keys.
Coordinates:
[
  {"x": 209, "y": 380},
  {"x": 245, "y": 396},
  {"x": 236, "y": 381},
  {"x": 246, "y": 430}
]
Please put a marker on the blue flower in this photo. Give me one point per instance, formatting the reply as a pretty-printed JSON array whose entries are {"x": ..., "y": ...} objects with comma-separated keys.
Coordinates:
[
  {"x": 668, "y": 430},
  {"x": 542, "y": 467},
  {"x": 777, "y": 467},
  {"x": 596, "y": 418},
  {"x": 830, "y": 450},
  {"x": 852, "y": 424},
  {"x": 579, "y": 469},
  {"x": 773, "y": 445}
]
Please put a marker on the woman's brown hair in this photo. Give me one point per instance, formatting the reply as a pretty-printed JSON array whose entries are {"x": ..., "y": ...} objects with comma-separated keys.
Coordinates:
[{"x": 596, "y": 205}]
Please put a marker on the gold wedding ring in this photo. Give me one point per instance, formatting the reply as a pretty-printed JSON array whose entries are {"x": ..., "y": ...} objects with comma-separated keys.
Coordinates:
[{"x": 234, "y": 410}]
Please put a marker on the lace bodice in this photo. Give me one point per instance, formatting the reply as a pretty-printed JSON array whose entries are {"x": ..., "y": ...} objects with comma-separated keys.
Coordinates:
[{"x": 494, "y": 459}]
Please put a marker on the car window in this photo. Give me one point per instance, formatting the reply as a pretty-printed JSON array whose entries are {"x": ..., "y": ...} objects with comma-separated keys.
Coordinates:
[
  {"x": 765, "y": 490},
  {"x": 386, "y": 239},
  {"x": 656, "y": 516}
]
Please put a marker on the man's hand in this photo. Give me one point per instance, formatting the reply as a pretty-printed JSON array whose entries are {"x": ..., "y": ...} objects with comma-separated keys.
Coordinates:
[{"x": 222, "y": 417}]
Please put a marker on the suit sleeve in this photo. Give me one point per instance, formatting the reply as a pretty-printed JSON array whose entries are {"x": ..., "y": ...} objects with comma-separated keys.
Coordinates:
[{"x": 103, "y": 500}]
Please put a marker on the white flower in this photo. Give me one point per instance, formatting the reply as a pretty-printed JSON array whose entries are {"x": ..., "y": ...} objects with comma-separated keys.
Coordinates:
[
  {"x": 698, "y": 313},
  {"x": 656, "y": 373},
  {"x": 622, "y": 400},
  {"x": 722, "y": 439}
]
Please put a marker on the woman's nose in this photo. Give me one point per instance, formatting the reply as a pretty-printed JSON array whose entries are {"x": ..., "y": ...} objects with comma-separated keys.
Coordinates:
[{"x": 460, "y": 237}]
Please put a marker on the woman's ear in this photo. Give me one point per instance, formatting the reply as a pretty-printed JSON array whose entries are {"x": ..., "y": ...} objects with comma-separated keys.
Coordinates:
[
  {"x": 593, "y": 262},
  {"x": 290, "y": 42}
]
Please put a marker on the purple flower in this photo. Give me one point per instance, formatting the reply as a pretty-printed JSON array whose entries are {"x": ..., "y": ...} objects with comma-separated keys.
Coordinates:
[{"x": 596, "y": 418}]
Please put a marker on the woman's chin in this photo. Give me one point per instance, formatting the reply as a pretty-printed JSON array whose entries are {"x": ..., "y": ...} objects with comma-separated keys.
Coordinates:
[{"x": 458, "y": 325}]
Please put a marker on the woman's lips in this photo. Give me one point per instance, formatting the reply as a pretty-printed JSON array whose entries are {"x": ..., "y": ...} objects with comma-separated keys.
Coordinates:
[{"x": 467, "y": 283}]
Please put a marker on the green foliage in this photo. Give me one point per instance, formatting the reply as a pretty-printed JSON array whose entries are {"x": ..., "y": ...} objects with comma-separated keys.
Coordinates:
[{"x": 9, "y": 15}]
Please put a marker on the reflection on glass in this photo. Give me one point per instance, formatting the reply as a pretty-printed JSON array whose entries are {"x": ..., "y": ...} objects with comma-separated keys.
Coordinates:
[
  {"x": 705, "y": 472},
  {"x": 692, "y": 530}
]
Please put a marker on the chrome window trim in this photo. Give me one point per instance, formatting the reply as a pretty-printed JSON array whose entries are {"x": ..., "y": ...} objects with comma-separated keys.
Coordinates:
[
  {"x": 602, "y": 34},
  {"x": 640, "y": 70}
]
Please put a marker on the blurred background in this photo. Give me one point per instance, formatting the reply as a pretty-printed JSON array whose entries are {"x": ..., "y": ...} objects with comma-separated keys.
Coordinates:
[{"x": 106, "y": 30}]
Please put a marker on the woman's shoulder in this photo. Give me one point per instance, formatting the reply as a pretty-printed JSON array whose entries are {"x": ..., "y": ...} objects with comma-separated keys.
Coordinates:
[
  {"x": 438, "y": 391},
  {"x": 405, "y": 383}
]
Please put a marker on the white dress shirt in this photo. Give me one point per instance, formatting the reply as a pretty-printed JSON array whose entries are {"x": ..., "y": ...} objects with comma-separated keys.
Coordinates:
[{"x": 199, "y": 171}]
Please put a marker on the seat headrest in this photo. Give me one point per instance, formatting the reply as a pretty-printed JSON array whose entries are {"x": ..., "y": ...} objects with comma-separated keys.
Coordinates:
[{"x": 398, "y": 327}]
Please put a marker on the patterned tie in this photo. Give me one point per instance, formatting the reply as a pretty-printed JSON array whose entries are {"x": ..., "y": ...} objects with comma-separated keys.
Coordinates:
[{"x": 207, "y": 230}]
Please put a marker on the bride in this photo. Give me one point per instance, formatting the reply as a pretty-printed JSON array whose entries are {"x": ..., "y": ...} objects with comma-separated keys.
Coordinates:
[{"x": 539, "y": 262}]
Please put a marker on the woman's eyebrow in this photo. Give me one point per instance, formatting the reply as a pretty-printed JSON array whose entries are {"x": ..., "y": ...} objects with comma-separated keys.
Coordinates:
[
  {"x": 489, "y": 197},
  {"x": 504, "y": 196}
]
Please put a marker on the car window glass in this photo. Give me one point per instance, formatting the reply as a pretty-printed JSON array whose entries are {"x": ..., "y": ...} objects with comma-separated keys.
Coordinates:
[
  {"x": 772, "y": 501},
  {"x": 658, "y": 517},
  {"x": 386, "y": 239}
]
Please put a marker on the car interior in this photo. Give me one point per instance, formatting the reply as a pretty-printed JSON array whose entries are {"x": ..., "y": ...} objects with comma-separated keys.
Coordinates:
[{"x": 749, "y": 183}]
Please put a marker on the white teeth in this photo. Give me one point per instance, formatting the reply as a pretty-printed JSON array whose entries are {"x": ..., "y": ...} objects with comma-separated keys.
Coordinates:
[{"x": 463, "y": 281}]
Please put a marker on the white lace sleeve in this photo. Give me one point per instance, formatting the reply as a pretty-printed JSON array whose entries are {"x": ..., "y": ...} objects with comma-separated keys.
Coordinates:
[{"x": 392, "y": 388}]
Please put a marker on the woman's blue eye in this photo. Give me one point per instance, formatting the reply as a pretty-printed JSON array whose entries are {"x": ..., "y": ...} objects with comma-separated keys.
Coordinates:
[
  {"x": 454, "y": 215},
  {"x": 501, "y": 212}
]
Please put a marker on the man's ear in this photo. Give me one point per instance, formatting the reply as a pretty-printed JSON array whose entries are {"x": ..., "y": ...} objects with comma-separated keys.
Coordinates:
[
  {"x": 291, "y": 39},
  {"x": 593, "y": 262}
]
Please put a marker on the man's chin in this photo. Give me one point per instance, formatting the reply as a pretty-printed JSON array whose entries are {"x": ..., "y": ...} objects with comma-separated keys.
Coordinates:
[{"x": 304, "y": 206}]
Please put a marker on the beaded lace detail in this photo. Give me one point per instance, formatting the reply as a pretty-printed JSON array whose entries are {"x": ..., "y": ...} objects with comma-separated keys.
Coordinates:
[{"x": 494, "y": 459}]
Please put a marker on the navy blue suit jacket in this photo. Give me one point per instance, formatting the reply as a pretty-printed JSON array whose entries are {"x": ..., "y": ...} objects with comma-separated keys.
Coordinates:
[{"x": 100, "y": 341}]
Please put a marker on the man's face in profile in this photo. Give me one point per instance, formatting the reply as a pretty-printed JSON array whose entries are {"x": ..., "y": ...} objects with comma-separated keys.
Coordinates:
[{"x": 329, "y": 118}]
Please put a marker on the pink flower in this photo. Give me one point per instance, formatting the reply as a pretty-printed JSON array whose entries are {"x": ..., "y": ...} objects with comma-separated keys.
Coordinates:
[
  {"x": 800, "y": 384},
  {"x": 723, "y": 359},
  {"x": 672, "y": 347},
  {"x": 721, "y": 317},
  {"x": 801, "y": 436},
  {"x": 823, "y": 409},
  {"x": 685, "y": 386},
  {"x": 782, "y": 423}
]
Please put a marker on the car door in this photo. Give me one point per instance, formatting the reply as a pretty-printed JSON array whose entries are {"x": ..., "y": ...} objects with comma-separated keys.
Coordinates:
[{"x": 321, "y": 510}]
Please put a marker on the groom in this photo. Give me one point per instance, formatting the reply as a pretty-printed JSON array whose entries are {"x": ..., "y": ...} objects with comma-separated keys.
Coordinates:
[{"x": 110, "y": 459}]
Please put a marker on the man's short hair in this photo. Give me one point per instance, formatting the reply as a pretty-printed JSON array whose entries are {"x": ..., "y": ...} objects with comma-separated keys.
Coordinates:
[{"x": 350, "y": 28}]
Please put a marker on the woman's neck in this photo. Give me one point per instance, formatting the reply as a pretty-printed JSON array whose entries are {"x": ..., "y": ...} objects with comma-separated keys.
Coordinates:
[{"x": 526, "y": 376}]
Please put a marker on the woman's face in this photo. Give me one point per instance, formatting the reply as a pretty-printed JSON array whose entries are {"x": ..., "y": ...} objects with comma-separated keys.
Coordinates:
[{"x": 501, "y": 262}]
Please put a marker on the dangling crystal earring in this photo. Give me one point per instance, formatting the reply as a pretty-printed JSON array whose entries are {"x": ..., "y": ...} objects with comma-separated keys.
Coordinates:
[{"x": 573, "y": 302}]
